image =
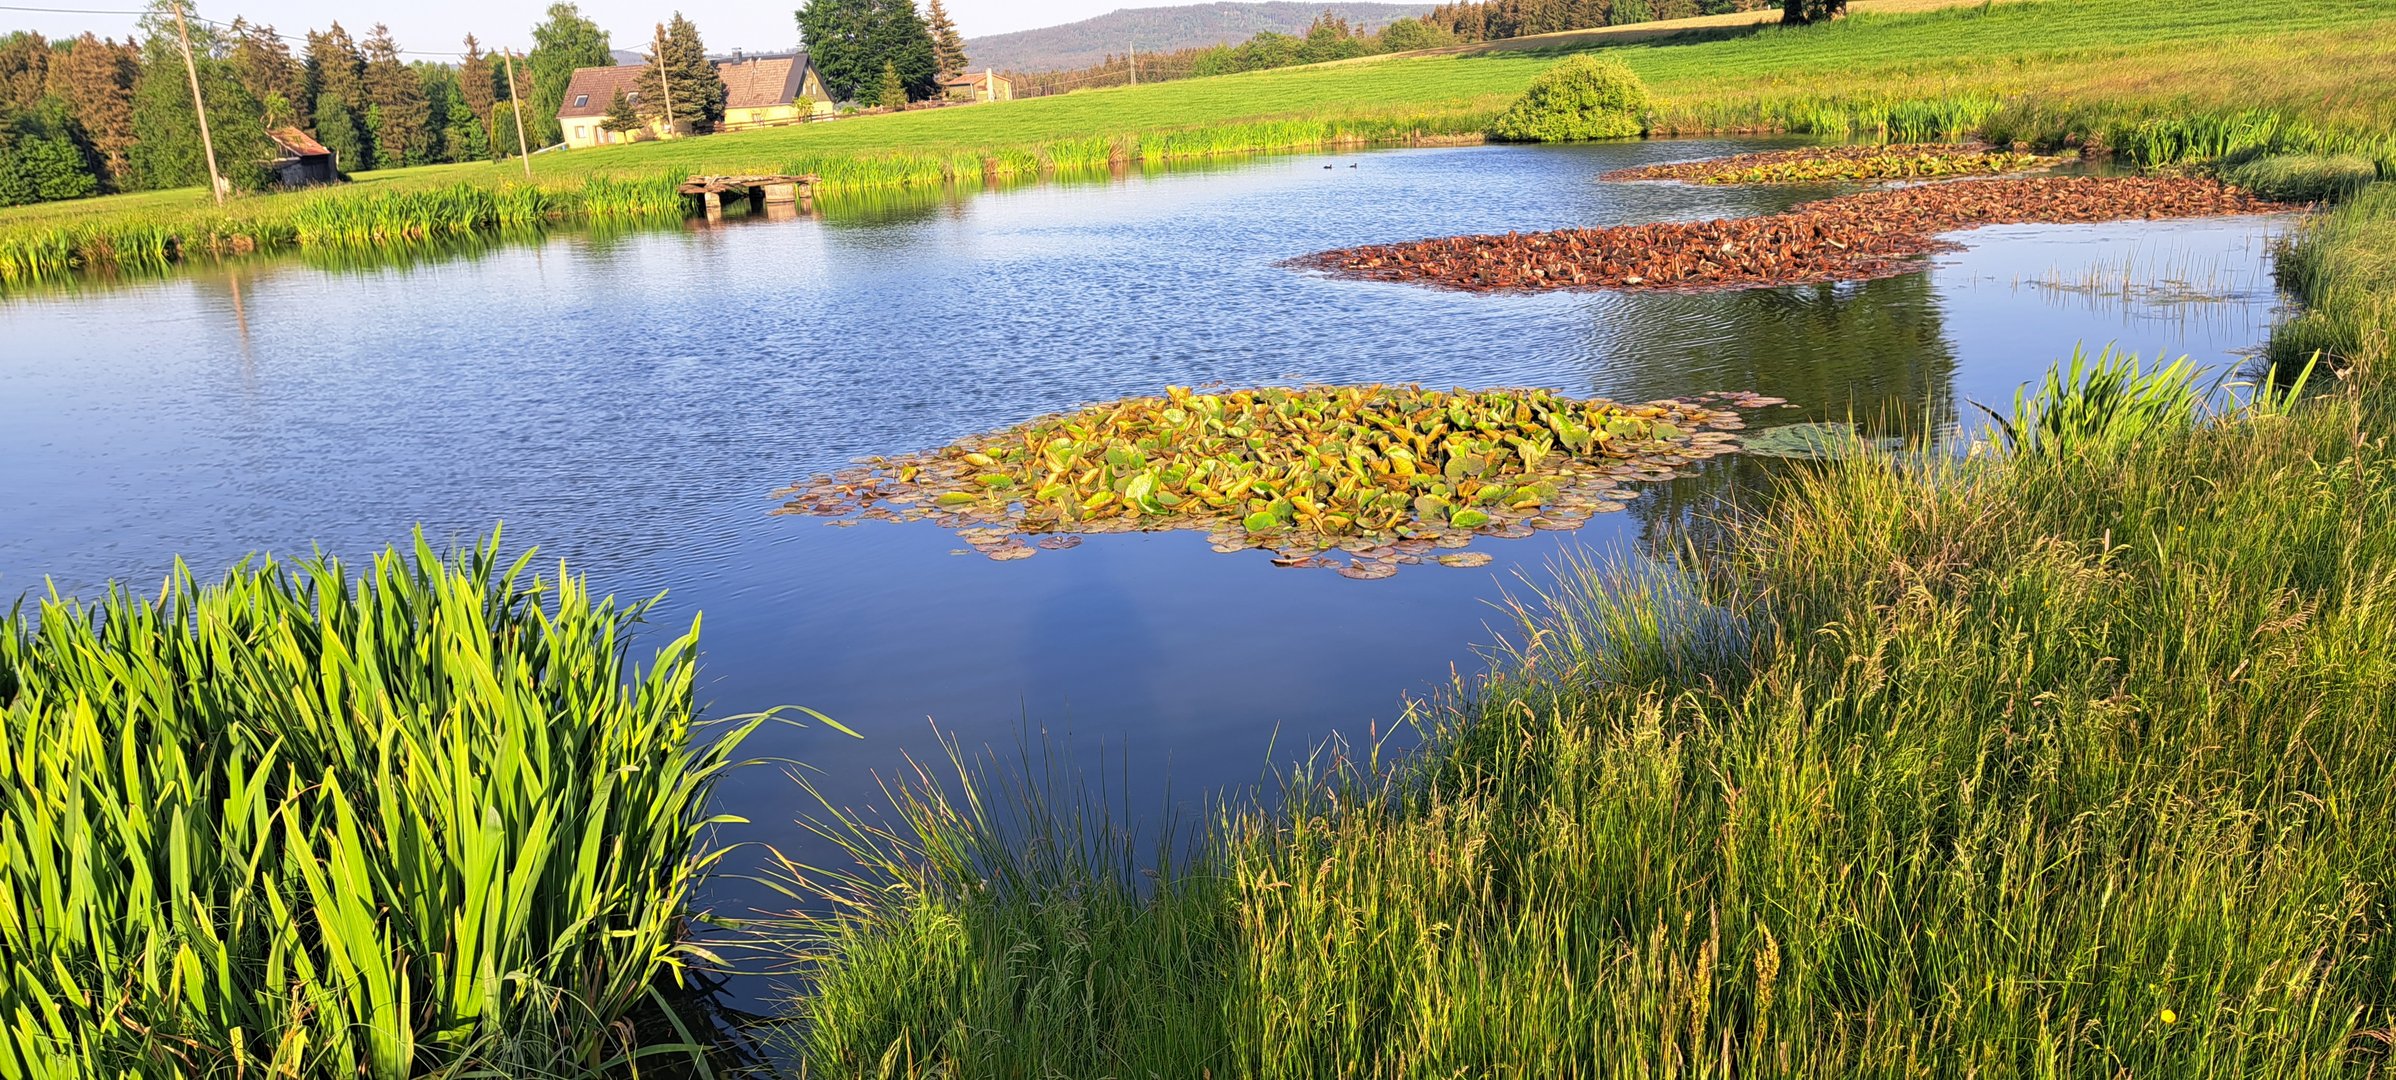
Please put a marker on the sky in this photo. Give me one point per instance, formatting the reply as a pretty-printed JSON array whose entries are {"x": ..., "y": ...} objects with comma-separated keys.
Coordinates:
[{"x": 436, "y": 26}]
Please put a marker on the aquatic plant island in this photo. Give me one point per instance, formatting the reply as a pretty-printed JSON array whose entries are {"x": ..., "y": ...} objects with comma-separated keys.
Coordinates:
[{"x": 1692, "y": 539}]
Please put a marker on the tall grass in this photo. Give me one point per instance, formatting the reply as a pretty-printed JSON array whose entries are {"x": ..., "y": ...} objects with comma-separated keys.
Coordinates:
[
  {"x": 2041, "y": 765},
  {"x": 426, "y": 822},
  {"x": 2342, "y": 266}
]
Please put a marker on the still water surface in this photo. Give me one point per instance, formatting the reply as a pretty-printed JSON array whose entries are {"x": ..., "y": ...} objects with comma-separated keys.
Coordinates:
[{"x": 629, "y": 403}]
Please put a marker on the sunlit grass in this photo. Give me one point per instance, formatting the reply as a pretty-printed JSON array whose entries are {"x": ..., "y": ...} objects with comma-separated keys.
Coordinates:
[
  {"x": 2159, "y": 80},
  {"x": 425, "y": 821}
]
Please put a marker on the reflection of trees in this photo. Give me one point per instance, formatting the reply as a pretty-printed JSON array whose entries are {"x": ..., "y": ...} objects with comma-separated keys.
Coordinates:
[{"x": 1874, "y": 352}]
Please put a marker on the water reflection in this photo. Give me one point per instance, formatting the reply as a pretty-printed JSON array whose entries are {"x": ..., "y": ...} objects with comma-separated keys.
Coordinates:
[{"x": 629, "y": 401}]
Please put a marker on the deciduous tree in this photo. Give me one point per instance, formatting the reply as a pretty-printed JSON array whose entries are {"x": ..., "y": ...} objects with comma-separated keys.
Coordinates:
[
  {"x": 1802, "y": 12},
  {"x": 565, "y": 40},
  {"x": 852, "y": 41}
]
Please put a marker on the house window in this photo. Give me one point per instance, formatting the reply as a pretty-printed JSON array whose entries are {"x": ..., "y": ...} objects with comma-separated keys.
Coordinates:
[
  {"x": 582, "y": 131},
  {"x": 581, "y": 100}
]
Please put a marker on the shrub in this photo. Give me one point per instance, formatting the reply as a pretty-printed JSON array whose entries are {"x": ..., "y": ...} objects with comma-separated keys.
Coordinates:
[
  {"x": 1585, "y": 97},
  {"x": 296, "y": 825},
  {"x": 2315, "y": 178}
]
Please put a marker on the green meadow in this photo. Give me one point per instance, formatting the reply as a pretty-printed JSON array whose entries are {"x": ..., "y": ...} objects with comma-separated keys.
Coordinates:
[
  {"x": 2127, "y": 74},
  {"x": 2066, "y": 757}
]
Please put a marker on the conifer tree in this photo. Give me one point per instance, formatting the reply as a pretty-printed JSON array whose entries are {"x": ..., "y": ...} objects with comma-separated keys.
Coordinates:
[
  {"x": 167, "y": 150},
  {"x": 266, "y": 68},
  {"x": 621, "y": 117},
  {"x": 400, "y": 118},
  {"x": 948, "y": 46},
  {"x": 478, "y": 85},
  {"x": 893, "y": 94},
  {"x": 678, "y": 74},
  {"x": 24, "y": 71},
  {"x": 338, "y": 74},
  {"x": 94, "y": 77}
]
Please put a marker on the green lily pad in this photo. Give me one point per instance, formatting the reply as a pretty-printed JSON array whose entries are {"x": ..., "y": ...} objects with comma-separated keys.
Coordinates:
[{"x": 1815, "y": 442}]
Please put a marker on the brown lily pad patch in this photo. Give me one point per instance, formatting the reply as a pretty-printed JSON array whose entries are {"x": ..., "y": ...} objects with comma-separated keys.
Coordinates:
[
  {"x": 1361, "y": 479},
  {"x": 1850, "y": 238},
  {"x": 1830, "y": 164}
]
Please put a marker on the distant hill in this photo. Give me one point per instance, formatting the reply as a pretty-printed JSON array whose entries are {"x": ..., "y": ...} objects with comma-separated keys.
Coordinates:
[{"x": 1164, "y": 29}]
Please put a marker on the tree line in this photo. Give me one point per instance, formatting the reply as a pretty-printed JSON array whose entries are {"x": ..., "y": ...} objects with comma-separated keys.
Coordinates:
[
  {"x": 88, "y": 115},
  {"x": 882, "y": 52},
  {"x": 1332, "y": 37}
]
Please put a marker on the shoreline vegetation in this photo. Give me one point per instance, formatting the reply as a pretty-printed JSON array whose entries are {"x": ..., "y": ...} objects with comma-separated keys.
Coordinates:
[
  {"x": 2151, "y": 83},
  {"x": 2066, "y": 757}
]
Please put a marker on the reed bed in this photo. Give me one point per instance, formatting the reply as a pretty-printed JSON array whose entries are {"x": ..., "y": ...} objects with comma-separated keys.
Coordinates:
[{"x": 428, "y": 821}]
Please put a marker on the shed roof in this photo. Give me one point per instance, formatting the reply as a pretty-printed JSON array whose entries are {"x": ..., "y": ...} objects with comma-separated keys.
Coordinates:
[
  {"x": 758, "y": 82},
  {"x": 975, "y": 78},
  {"x": 592, "y": 88},
  {"x": 295, "y": 142}
]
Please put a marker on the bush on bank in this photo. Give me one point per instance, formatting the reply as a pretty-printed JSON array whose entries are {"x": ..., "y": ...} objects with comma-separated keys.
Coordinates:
[{"x": 1584, "y": 97}]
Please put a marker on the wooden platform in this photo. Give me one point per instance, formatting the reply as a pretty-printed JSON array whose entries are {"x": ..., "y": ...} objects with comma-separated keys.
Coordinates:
[{"x": 757, "y": 190}]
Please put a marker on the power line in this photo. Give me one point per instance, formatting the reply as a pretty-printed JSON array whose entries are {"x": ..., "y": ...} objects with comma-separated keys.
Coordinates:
[{"x": 207, "y": 22}]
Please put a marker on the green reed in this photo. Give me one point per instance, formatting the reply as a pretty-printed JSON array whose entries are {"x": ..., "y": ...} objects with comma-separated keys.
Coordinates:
[
  {"x": 2027, "y": 765},
  {"x": 422, "y": 822},
  {"x": 2342, "y": 266}
]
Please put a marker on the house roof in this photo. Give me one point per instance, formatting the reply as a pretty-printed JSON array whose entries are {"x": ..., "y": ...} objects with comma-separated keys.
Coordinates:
[
  {"x": 295, "y": 142},
  {"x": 974, "y": 78},
  {"x": 757, "y": 82},
  {"x": 592, "y": 88}
]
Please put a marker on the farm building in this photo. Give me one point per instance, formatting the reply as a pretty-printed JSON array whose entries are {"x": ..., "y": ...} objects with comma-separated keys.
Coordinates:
[
  {"x": 762, "y": 91},
  {"x": 300, "y": 161},
  {"x": 978, "y": 86},
  {"x": 759, "y": 91}
]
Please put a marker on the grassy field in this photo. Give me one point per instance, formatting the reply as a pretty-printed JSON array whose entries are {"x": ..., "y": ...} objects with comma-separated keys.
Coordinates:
[
  {"x": 2301, "y": 76},
  {"x": 2065, "y": 761}
]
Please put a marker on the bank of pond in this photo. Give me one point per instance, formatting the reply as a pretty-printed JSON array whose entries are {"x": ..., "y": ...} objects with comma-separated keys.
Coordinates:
[{"x": 2062, "y": 748}]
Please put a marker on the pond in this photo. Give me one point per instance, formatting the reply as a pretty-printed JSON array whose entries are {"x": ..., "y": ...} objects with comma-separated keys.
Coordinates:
[{"x": 629, "y": 403}]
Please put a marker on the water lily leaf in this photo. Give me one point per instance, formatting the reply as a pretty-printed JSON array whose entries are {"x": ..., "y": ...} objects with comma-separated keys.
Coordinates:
[
  {"x": 1814, "y": 442},
  {"x": 1465, "y": 558},
  {"x": 1468, "y": 519}
]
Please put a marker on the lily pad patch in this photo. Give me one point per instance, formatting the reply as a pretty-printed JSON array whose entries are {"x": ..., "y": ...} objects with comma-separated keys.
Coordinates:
[{"x": 1363, "y": 479}]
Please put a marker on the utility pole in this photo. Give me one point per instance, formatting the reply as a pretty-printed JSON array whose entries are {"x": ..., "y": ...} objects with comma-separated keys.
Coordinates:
[
  {"x": 1135, "y": 63},
  {"x": 515, "y": 97},
  {"x": 216, "y": 183},
  {"x": 665, "y": 83}
]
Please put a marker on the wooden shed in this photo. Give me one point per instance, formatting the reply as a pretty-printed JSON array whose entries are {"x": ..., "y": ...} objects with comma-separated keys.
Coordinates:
[{"x": 301, "y": 161}]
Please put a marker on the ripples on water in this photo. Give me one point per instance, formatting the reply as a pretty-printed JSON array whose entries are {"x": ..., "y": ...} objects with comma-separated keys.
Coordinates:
[{"x": 629, "y": 401}]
